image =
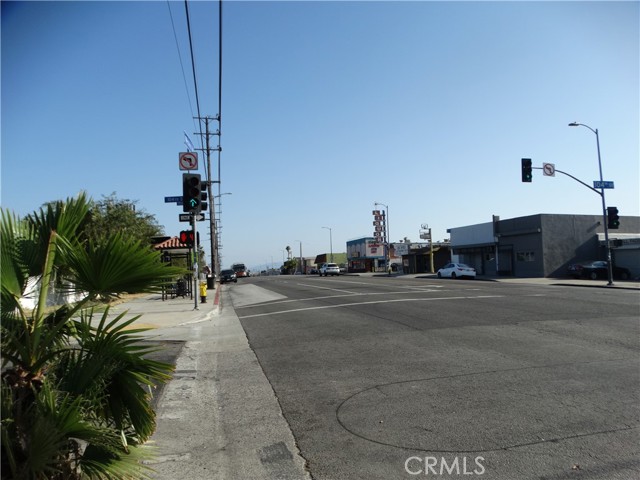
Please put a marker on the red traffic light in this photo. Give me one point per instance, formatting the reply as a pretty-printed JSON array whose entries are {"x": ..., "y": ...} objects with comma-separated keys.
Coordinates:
[{"x": 186, "y": 237}]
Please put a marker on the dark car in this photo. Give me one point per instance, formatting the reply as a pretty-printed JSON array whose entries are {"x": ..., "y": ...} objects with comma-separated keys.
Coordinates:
[
  {"x": 228, "y": 276},
  {"x": 596, "y": 269}
]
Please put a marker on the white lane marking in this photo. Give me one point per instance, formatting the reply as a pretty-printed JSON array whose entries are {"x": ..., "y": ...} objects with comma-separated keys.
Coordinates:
[
  {"x": 390, "y": 285},
  {"x": 327, "y": 288},
  {"x": 309, "y": 299},
  {"x": 323, "y": 307}
]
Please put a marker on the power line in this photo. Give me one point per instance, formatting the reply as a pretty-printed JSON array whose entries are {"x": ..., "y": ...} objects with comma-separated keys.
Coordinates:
[
  {"x": 219, "y": 90},
  {"x": 204, "y": 137},
  {"x": 193, "y": 69},
  {"x": 184, "y": 77}
]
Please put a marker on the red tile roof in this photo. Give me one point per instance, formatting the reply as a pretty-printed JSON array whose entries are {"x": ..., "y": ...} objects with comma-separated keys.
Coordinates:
[{"x": 172, "y": 243}]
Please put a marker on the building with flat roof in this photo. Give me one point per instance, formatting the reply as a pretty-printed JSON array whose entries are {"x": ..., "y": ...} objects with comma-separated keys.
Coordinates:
[{"x": 543, "y": 245}]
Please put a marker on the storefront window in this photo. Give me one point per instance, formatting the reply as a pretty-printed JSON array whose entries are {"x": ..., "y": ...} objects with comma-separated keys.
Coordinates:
[{"x": 525, "y": 256}]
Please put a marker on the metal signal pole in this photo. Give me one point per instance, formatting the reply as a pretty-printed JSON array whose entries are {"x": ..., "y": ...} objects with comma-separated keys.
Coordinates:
[{"x": 195, "y": 259}]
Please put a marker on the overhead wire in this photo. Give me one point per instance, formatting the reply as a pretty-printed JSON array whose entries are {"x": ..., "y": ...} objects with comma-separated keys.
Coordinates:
[
  {"x": 195, "y": 79},
  {"x": 199, "y": 116},
  {"x": 184, "y": 77},
  {"x": 219, "y": 92}
]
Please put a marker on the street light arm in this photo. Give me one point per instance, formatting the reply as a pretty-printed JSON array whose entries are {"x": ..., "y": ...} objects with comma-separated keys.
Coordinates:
[{"x": 576, "y": 124}]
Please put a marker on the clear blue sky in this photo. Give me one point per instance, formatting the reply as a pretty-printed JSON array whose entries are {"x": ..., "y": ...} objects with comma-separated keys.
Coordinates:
[{"x": 327, "y": 107}]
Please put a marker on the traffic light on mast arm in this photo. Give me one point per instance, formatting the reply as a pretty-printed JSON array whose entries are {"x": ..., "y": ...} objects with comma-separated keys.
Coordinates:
[
  {"x": 613, "y": 219},
  {"x": 191, "y": 192},
  {"x": 526, "y": 170}
]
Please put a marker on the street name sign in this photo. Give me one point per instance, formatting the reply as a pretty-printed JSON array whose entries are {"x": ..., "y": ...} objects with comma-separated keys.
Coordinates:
[
  {"x": 186, "y": 217},
  {"x": 602, "y": 184},
  {"x": 177, "y": 200}
]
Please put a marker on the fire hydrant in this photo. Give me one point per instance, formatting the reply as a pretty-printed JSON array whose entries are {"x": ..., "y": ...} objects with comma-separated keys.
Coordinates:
[{"x": 203, "y": 292}]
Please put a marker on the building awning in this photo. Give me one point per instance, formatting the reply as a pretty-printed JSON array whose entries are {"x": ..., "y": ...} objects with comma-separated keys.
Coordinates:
[
  {"x": 172, "y": 243},
  {"x": 621, "y": 241}
]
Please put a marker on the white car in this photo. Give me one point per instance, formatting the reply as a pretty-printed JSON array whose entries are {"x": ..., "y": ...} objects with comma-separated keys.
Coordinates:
[
  {"x": 329, "y": 269},
  {"x": 457, "y": 270}
]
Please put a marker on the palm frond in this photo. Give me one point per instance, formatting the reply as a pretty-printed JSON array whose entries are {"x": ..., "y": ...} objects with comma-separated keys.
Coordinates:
[
  {"x": 15, "y": 272},
  {"x": 51, "y": 424},
  {"x": 74, "y": 398},
  {"x": 118, "y": 265},
  {"x": 109, "y": 364},
  {"x": 101, "y": 463}
]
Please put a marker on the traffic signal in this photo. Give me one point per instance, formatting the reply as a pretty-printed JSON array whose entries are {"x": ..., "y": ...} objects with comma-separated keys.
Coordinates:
[
  {"x": 186, "y": 237},
  {"x": 613, "y": 220},
  {"x": 203, "y": 197},
  {"x": 191, "y": 192},
  {"x": 526, "y": 170}
]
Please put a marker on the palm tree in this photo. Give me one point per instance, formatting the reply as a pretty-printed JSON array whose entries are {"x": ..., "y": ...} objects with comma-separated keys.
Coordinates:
[{"x": 75, "y": 383}]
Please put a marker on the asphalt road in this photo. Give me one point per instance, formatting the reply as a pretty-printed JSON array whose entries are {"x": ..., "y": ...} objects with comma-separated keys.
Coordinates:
[{"x": 385, "y": 378}]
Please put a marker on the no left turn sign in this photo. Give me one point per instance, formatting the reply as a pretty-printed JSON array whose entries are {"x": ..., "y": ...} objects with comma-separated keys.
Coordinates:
[
  {"x": 549, "y": 169},
  {"x": 188, "y": 160}
]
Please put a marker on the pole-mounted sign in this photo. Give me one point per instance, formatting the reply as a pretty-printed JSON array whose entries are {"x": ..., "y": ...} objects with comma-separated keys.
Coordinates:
[
  {"x": 188, "y": 160},
  {"x": 186, "y": 217}
]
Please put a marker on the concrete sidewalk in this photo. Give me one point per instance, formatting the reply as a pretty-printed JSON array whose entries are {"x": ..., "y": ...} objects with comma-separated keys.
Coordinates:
[
  {"x": 160, "y": 314},
  {"x": 218, "y": 418}
]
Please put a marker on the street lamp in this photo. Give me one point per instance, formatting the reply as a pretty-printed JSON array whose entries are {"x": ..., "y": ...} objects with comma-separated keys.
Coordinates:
[
  {"x": 604, "y": 207},
  {"x": 330, "y": 243},
  {"x": 387, "y": 253}
]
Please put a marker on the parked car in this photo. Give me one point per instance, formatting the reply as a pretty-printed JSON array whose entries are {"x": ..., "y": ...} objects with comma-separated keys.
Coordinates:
[
  {"x": 329, "y": 269},
  {"x": 596, "y": 269},
  {"x": 457, "y": 270},
  {"x": 228, "y": 276}
]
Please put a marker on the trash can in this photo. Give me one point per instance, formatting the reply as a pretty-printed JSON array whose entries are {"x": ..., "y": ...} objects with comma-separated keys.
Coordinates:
[{"x": 210, "y": 282}]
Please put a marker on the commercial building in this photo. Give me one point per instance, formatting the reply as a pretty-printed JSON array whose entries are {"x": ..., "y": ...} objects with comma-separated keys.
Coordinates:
[
  {"x": 367, "y": 254},
  {"x": 543, "y": 245}
]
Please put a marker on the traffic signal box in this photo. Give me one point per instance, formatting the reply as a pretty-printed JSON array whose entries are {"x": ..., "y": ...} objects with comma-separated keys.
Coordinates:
[
  {"x": 613, "y": 219},
  {"x": 191, "y": 192},
  {"x": 526, "y": 170},
  {"x": 186, "y": 237},
  {"x": 203, "y": 197}
]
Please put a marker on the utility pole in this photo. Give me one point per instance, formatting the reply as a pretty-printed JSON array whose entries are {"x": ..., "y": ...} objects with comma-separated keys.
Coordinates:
[{"x": 213, "y": 237}]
